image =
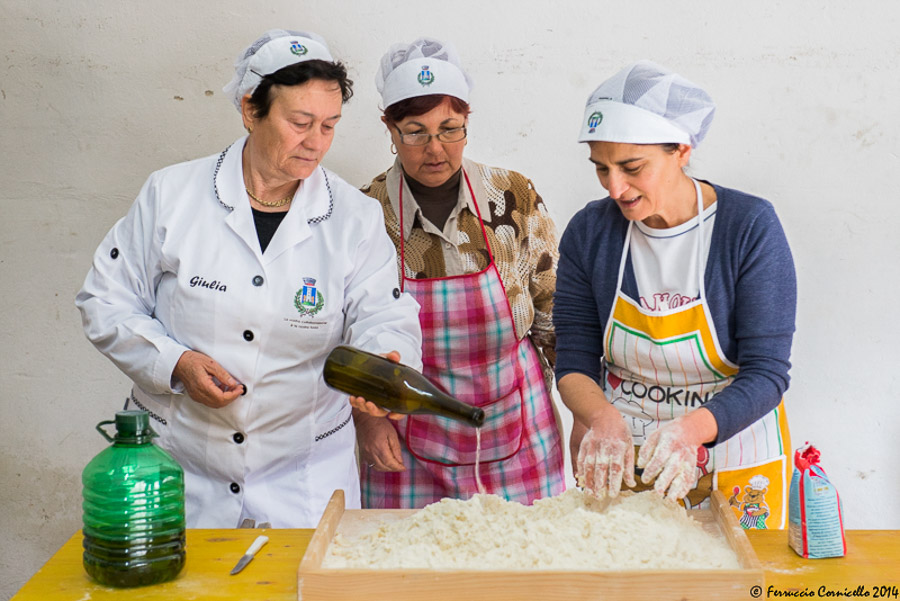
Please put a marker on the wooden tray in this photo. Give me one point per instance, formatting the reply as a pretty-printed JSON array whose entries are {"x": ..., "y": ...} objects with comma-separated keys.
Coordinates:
[{"x": 316, "y": 583}]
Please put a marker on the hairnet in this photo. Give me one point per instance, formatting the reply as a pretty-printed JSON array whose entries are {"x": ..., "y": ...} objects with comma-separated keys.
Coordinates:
[
  {"x": 427, "y": 66},
  {"x": 646, "y": 103},
  {"x": 273, "y": 50}
]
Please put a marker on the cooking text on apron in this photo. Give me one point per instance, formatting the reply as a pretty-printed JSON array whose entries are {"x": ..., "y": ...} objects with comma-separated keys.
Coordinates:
[{"x": 663, "y": 364}]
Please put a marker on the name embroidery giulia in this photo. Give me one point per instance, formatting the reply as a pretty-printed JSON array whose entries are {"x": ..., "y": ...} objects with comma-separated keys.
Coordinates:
[{"x": 213, "y": 285}]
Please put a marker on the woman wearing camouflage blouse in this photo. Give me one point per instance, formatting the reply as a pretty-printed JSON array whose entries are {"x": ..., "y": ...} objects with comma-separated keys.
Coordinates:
[{"x": 478, "y": 250}]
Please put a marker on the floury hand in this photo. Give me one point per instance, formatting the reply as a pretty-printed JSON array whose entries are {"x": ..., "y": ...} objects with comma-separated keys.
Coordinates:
[
  {"x": 670, "y": 456},
  {"x": 606, "y": 456}
]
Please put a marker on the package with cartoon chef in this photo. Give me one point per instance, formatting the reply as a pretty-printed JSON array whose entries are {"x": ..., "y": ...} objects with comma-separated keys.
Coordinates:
[{"x": 816, "y": 526}]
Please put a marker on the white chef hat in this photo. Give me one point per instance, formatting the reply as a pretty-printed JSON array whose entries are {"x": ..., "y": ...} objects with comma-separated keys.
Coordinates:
[
  {"x": 759, "y": 482},
  {"x": 273, "y": 50},
  {"x": 646, "y": 103},
  {"x": 427, "y": 66}
]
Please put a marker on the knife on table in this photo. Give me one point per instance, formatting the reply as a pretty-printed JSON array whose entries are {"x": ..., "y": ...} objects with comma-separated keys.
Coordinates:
[{"x": 256, "y": 546}]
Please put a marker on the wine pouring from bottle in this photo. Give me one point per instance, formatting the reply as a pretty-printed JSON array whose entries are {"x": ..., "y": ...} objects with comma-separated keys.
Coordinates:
[{"x": 393, "y": 386}]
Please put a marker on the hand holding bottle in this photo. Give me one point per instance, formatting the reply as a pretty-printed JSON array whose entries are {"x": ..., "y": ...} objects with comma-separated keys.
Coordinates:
[
  {"x": 379, "y": 383},
  {"x": 379, "y": 444},
  {"x": 361, "y": 404}
]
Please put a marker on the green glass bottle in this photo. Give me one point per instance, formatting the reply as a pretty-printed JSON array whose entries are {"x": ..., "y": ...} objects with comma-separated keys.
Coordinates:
[
  {"x": 393, "y": 386},
  {"x": 133, "y": 501}
]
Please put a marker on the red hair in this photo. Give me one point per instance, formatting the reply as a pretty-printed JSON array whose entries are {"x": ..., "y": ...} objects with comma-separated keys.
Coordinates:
[{"x": 419, "y": 105}]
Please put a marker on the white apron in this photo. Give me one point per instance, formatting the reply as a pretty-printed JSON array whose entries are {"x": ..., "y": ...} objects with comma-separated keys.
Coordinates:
[{"x": 660, "y": 365}]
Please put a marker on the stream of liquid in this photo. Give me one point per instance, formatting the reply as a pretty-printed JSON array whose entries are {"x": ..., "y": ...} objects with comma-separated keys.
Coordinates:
[{"x": 478, "y": 461}]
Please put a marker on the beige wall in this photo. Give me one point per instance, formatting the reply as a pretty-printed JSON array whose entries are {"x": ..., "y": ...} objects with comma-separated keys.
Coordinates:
[{"x": 96, "y": 95}]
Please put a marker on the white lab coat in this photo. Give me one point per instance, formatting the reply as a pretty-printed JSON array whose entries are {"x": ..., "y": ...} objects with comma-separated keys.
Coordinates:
[{"x": 183, "y": 270}]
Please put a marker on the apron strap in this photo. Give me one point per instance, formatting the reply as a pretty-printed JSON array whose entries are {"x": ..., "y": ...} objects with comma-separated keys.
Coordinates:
[
  {"x": 701, "y": 258},
  {"x": 487, "y": 243}
]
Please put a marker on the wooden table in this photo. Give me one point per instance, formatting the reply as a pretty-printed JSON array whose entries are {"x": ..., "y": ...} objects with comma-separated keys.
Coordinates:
[
  {"x": 872, "y": 562},
  {"x": 272, "y": 575}
]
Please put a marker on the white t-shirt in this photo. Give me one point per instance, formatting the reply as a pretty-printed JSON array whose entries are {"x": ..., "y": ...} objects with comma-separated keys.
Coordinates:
[{"x": 665, "y": 262}]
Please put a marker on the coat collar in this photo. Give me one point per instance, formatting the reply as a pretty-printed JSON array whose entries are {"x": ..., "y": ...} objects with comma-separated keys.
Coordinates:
[
  {"x": 312, "y": 203},
  {"x": 411, "y": 209}
]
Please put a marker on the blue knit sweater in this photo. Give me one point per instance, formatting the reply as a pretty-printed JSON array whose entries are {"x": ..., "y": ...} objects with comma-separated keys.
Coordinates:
[{"x": 750, "y": 282}]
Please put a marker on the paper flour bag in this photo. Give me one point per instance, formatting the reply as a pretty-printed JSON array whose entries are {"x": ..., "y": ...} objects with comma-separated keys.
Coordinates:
[{"x": 815, "y": 528}]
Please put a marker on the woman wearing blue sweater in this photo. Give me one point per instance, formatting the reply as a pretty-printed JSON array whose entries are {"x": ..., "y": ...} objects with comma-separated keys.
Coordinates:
[{"x": 674, "y": 312}]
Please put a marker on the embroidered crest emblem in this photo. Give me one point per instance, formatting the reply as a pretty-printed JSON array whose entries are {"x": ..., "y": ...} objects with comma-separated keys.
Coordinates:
[
  {"x": 298, "y": 48},
  {"x": 308, "y": 299},
  {"x": 426, "y": 77},
  {"x": 594, "y": 120}
]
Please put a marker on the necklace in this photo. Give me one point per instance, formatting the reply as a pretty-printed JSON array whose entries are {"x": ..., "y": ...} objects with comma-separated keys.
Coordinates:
[{"x": 277, "y": 203}]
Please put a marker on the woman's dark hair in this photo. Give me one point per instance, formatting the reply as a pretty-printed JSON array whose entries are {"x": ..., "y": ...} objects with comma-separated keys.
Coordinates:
[
  {"x": 419, "y": 105},
  {"x": 670, "y": 147},
  {"x": 295, "y": 75}
]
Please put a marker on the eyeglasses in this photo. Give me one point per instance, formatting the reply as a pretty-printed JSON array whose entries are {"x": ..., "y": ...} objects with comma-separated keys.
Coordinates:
[{"x": 457, "y": 134}]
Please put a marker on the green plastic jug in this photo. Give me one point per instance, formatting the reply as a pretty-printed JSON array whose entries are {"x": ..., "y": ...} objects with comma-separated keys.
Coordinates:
[{"x": 133, "y": 505}]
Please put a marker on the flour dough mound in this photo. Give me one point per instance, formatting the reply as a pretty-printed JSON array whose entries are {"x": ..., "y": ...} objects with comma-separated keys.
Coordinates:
[{"x": 571, "y": 531}]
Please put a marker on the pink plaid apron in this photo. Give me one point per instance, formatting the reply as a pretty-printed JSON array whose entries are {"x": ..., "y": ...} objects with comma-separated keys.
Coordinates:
[{"x": 470, "y": 348}]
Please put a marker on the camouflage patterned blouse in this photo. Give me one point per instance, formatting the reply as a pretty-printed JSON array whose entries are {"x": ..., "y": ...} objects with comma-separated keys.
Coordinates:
[{"x": 521, "y": 233}]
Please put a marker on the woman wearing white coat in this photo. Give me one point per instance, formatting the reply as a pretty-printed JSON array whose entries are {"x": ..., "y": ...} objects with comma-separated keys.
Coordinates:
[{"x": 229, "y": 281}]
